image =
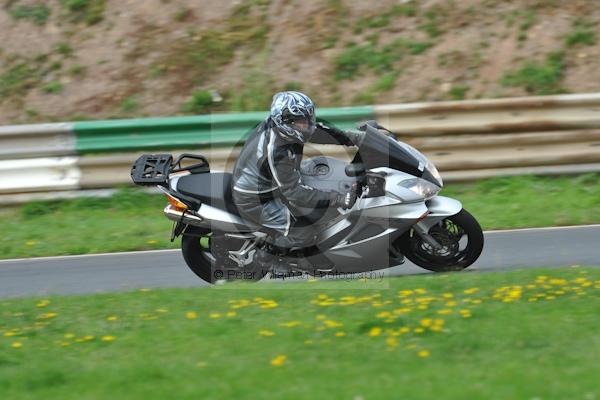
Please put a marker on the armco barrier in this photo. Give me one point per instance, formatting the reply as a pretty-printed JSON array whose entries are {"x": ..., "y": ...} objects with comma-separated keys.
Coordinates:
[
  {"x": 24, "y": 141},
  {"x": 467, "y": 140},
  {"x": 178, "y": 132}
]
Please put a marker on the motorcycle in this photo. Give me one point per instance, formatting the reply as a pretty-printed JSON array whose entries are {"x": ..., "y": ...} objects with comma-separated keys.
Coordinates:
[{"x": 398, "y": 214}]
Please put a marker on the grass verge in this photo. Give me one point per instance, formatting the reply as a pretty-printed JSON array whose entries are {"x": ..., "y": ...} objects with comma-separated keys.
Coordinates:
[
  {"x": 133, "y": 220},
  {"x": 520, "y": 334}
]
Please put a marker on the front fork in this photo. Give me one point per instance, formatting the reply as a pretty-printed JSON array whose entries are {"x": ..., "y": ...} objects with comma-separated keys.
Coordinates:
[{"x": 440, "y": 207}]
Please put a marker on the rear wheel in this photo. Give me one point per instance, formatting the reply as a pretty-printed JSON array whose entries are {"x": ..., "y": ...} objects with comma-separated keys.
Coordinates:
[
  {"x": 205, "y": 253},
  {"x": 460, "y": 236}
]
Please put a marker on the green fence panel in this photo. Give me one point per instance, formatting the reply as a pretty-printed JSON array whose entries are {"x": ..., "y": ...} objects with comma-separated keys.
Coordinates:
[{"x": 190, "y": 132}]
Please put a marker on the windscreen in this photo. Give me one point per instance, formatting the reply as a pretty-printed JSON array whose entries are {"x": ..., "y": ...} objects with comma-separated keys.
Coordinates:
[{"x": 379, "y": 150}]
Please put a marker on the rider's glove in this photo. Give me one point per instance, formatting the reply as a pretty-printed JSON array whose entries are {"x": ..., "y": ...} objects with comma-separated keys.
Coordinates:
[
  {"x": 346, "y": 138},
  {"x": 346, "y": 200}
]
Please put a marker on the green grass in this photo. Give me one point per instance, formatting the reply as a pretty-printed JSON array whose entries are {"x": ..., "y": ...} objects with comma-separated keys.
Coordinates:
[
  {"x": 127, "y": 221},
  {"x": 528, "y": 201},
  {"x": 539, "y": 78},
  {"x": 431, "y": 23},
  {"x": 133, "y": 220},
  {"x": 504, "y": 335},
  {"x": 130, "y": 104},
  {"x": 199, "y": 103},
  {"x": 18, "y": 79},
  {"x": 355, "y": 59},
  {"x": 459, "y": 92},
  {"x": 38, "y": 14},
  {"x": 53, "y": 87},
  {"x": 89, "y": 11},
  {"x": 583, "y": 34}
]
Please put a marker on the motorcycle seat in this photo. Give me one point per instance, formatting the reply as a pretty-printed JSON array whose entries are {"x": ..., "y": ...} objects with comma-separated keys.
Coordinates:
[{"x": 212, "y": 188}]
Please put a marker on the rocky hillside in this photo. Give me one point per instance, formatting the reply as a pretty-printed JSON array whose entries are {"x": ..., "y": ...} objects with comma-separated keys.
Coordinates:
[{"x": 92, "y": 59}]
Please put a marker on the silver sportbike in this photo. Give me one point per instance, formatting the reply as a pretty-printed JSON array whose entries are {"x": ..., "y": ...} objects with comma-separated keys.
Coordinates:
[{"x": 398, "y": 214}]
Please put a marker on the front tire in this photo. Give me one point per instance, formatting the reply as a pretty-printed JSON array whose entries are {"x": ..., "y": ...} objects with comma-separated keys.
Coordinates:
[
  {"x": 200, "y": 255},
  {"x": 461, "y": 238}
]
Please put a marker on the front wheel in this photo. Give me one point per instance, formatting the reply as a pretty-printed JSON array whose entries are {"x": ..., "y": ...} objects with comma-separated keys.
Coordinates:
[
  {"x": 460, "y": 236},
  {"x": 205, "y": 253}
]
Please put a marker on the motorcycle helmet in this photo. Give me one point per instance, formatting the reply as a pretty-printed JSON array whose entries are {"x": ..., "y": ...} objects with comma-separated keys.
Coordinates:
[{"x": 293, "y": 114}]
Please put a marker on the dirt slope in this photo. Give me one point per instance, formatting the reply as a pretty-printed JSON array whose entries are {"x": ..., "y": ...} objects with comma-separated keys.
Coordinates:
[{"x": 92, "y": 59}]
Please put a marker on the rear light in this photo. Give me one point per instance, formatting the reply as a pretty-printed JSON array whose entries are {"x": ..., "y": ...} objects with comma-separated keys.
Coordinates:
[{"x": 177, "y": 204}]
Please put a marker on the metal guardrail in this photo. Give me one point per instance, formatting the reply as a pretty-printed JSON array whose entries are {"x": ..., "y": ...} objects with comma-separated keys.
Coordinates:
[
  {"x": 25, "y": 141},
  {"x": 467, "y": 140},
  {"x": 178, "y": 132}
]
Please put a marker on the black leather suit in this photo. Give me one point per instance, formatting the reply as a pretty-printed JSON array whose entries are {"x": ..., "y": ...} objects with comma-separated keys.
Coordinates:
[{"x": 267, "y": 185}]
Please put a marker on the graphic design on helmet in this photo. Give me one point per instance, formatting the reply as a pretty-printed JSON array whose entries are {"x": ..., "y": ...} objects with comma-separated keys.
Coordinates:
[{"x": 293, "y": 113}]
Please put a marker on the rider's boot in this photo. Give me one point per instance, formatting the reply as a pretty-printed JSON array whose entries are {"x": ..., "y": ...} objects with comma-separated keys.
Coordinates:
[{"x": 277, "y": 264}]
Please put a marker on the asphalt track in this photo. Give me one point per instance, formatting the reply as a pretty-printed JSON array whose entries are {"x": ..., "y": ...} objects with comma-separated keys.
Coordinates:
[{"x": 512, "y": 249}]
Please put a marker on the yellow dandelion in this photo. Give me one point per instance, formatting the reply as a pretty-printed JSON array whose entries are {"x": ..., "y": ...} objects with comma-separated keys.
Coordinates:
[
  {"x": 231, "y": 314},
  {"x": 266, "y": 333},
  {"x": 43, "y": 303},
  {"x": 214, "y": 315},
  {"x": 444, "y": 311},
  {"x": 268, "y": 304},
  {"x": 375, "y": 331},
  {"x": 151, "y": 241},
  {"x": 65, "y": 344},
  {"x": 320, "y": 317},
  {"x": 191, "y": 315},
  {"x": 471, "y": 291},
  {"x": 392, "y": 341},
  {"x": 423, "y": 353},
  {"x": 16, "y": 345},
  {"x": 107, "y": 338},
  {"x": 427, "y": 322},
  {"x": 419, "y": 330},
  {"x": 69, "y": 335},
  {"x": 10, "y": 333},
  {"x": 332, "y": 324},
  {"x": 404, "y": 329},
  {"x": 30, "y": 243},
  {"x": 48, "y": 315},
  {"x": 290, "y": 324},
  {"x": 340, "y": 334},
  {"x": 279, "y": 360},
  {"x": 162, "y": 310},
  {"x": 88, "y": 338},
  {"x": 112, "y": 318}
]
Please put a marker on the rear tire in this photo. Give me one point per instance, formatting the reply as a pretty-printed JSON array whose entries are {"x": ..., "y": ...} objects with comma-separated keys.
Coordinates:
[
  {"x": 451, "y": 233},
  {"x": 198, "y": 255}
]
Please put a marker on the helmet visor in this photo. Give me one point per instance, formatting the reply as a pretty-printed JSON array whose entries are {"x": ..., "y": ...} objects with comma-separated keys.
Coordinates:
[{"x": 302, "y": 124}]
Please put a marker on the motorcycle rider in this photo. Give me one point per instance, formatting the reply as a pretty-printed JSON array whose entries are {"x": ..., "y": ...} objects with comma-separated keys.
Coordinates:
[{"x": 267, "y": 185}]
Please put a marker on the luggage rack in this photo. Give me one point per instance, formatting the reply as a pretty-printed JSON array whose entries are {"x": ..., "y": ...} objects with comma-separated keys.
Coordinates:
[{"x": 154, "y": 169}]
